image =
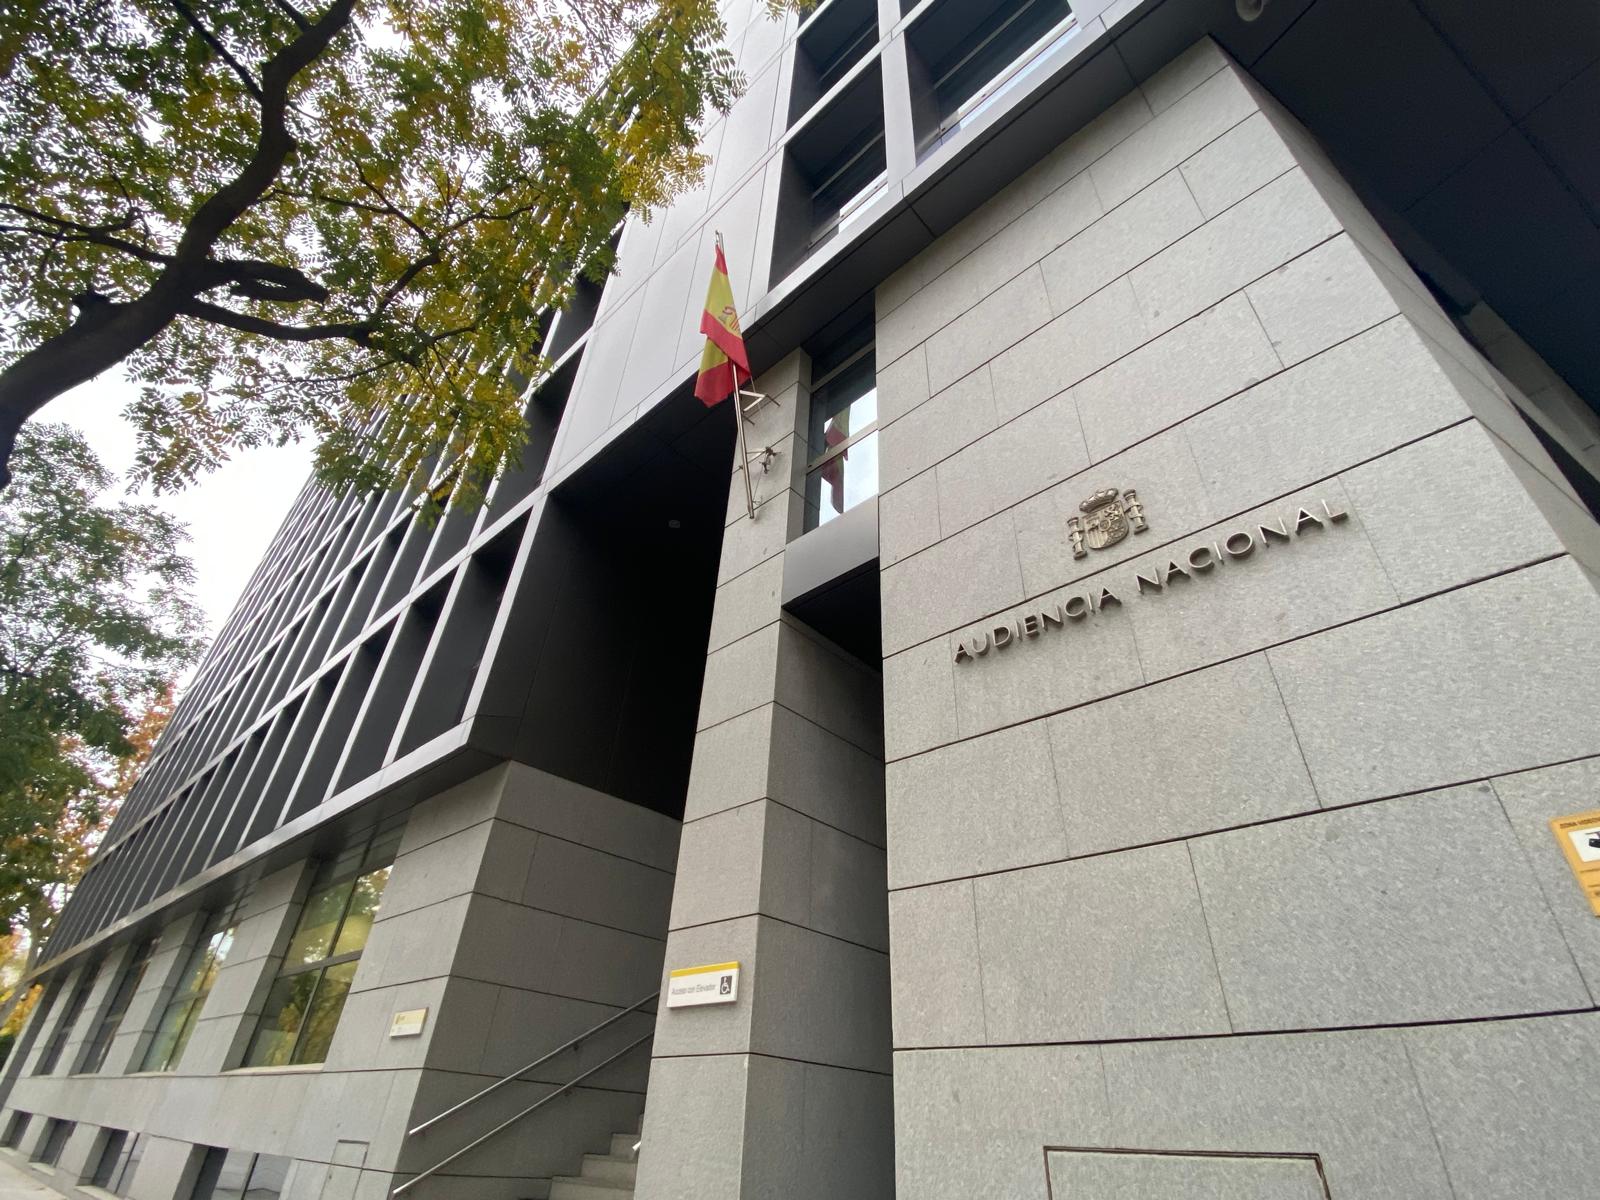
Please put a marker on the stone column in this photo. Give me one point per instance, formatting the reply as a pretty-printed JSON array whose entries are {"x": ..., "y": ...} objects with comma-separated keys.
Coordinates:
[{"x": 785, "y": 1093}]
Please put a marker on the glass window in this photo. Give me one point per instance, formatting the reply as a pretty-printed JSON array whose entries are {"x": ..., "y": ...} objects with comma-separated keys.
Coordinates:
[
  {"x": 105, "y": 1029},
  {"x": 306, "y": 999},
  {"x": 119, "y": 1158},
  {"x": 15, "y": 1128},
  {"x": 69, "y": 1018},
  {"x": 240, "y": 1175},
  {"x": 843, "y": 469},
  {"x": 189, "y": 997},
  {"x": 56, "y": 1134}
]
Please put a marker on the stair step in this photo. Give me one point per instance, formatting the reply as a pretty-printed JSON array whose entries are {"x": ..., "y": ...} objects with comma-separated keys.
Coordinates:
[
  {"x": 610, "y": 1168},
  {"x": 622, "y": 1145},
  {"x": 571, "y": 1187}
]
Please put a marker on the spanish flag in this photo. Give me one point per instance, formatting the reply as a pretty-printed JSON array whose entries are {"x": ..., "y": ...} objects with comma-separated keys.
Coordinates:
[{"x": 718, "y": 378}]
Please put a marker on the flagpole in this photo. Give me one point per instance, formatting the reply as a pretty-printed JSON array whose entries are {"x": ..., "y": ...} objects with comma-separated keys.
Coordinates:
[{"x": 744, "y": 451}]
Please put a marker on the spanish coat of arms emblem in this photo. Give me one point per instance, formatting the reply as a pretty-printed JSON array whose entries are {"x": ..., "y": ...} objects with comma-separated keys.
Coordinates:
[{"x": 1108, "y": 517}]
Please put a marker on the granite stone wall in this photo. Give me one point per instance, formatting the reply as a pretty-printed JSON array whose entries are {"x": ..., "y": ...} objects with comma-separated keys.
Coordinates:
[{"x": 1249, "y": 857}]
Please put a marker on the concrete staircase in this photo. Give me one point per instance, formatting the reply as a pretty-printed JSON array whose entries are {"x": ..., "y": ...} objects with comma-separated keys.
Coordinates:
[{"x": 602, "y": 1176}]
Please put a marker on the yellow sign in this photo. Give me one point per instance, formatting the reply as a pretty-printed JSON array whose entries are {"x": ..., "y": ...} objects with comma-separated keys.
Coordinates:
[
  {"x": 408, "y": 1023},
  {"x": 715, "y": 983},
  {"x": 1579, "y": 836}
]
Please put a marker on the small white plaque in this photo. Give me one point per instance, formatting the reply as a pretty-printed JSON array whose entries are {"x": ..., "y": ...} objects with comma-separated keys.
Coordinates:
[
  {"x": 408, "y": 1023},
  {"x": 717, "y": 983}
]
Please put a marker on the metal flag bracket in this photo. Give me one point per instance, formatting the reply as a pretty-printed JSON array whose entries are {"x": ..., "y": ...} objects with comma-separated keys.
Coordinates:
[{"x": 750, "y": 403}]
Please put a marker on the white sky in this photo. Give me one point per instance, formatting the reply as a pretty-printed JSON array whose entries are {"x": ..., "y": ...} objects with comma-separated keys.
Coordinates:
[{"x": 232, "y": 513}]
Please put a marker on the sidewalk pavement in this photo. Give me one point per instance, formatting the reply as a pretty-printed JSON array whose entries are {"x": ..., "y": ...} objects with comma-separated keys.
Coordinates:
[{"x": 17, "y": 1184}]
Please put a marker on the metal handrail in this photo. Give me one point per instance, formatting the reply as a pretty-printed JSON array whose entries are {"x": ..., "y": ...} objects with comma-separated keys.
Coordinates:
[
  {"x": 512, "y": 1120},
  {"x": 538, "y": 1062}
]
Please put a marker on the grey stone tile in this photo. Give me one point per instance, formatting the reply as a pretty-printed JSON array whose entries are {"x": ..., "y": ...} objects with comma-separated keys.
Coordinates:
[
  {"x": 980, "y": 805},
  {"x": 933, "y": 966},
  {"x": 1204, "y": 113},
  {"x": 745, "y": 543},
  {"x": 824, "y": 1000},
  {"x": 974, "y": 1122},
  {"x": 1187, "y": 369},
  {"x": 1446, "y": 510},
  {"x": 1326, "y": 295},
  {"x": 1030, "y": 677},
  {"x": 1569, "y": 522},
  {"x": 1532, "y": 799},
  {"x": 747, "y": 602},
  {"x": 820, "y": 774},
  {"x": 1417, "y": 909},
  {"x": 1016, "y": 309},
  {"x": 694, "y": 1134},
  {"x": 1161, "y": 470},
  {"x": 908, "y": 518},
  {"x": 847, "y": 1136},
  {"x": 1125, "y": 1175},
  {"x": 830, "y": 687},
  {"x": 1249, "y": 156},
  {"x": 1456, "y": 687},
  {"x": 730, "y": 764},
  {"x": 1056, "y": 168},
  {"x": 1205, "y": 751},
  {"x": 1263, "y": 231},
  {"x": 1347, "y": 404},
  {"x": 902, "y": 383},
  {"x": 1127, "y": 235},
  {"x": 962, "y": 578},
  {"x": 1024, "y": 456},
  {"x": 1513, "y": 1104},
  {"x": 1183, "y": 74},
  {"x": 1108, "y": 947},
  {"x": 1327, "y": 574},
  {"x": 740, "y": 677},
  {"x": 993, "y": 263},
  {"x": 715, "y": 1028},
  {"x": 848, "y": 883},
  {"x": 578, "y": 881},
  {"x": 539, "y": 800},
  {"x": 719, "y": 868},
  {"x": 956, "y": 417},
  {"x": 1105, "y": 326},
  {"x": 919, "y": 699},
  {"x": 1349, "y": 1097}
]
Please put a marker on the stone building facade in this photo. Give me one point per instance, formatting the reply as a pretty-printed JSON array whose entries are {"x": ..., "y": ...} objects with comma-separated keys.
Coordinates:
[{"x": 1117, "y": 745}]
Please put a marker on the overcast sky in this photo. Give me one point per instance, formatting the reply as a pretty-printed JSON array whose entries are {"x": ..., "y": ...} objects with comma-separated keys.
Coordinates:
[{"x": 232, "y": 513}]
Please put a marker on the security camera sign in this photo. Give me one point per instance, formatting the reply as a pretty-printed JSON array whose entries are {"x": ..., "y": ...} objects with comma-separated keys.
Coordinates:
[
  {"x": 717, "y": 983},
  {"x": 1579, "y": 836}
]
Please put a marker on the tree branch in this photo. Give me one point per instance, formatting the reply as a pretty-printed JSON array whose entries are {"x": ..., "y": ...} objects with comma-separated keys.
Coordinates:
[
  {"x": 64, "y": 230},
  {"x": 216, "y": 45},
  {"x": 354, "y": 331}
]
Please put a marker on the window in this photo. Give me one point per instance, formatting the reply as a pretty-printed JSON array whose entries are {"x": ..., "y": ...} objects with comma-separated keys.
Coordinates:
[
  {"x": 105, "y": 1029},
  {"x": 189, "y": 997},
  {"x": 15, "y": 1128},
  {"x": 303, "y": 1007},
  {"x": 118, "y": 1161},
  {"x": 843, "y": 470},
  {"x": 56, "y": 1134},
  {"x": 967, "y": 54},
  {"x": 240, "y": 1175},
  {"x": 834, "y": 38},
  {"x": 69, "y": 1018},
  {"x": 835, "y": 167}
]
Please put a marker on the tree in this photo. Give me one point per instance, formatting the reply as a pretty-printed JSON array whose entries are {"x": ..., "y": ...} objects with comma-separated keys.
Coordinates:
[
  {"x": 95, "y": 621},
  {"x": 345, "y": 219}
]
